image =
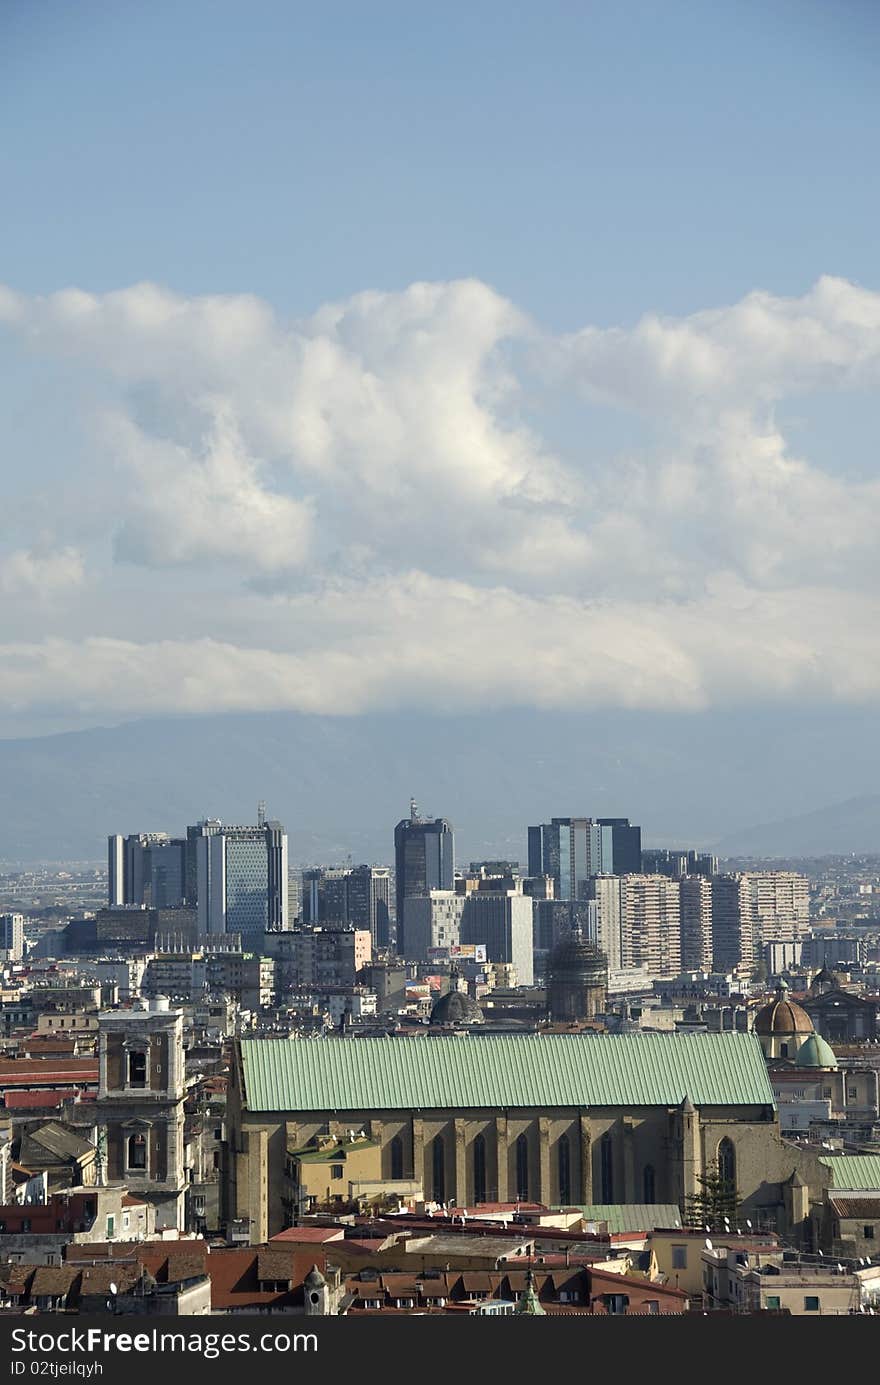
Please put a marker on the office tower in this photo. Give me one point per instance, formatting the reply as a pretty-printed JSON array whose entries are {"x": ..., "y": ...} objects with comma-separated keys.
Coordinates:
[
  {"x": 431, "y": 920},
  {"x": 650, "y": 923},
  {"x": 325, "y": 894},
  {"x": 626, "y": 845},
  {"x": 663, "y": 861},
  {"x": 359, "y": 895},
  {"x": 206, "y": 828},
  {"x": 572, "y": 850},
  {"x": 146, "y": 868},
  {"x": 115, "y": 870},
  {"x": 12, "y": 937},
  {"x": 604, "y": 929},
  {"x": 732, "y": 924},
  {"x": 503, "y": 921},
  {"x": 424, "y": 860},
  {"x": 369, "y": 901},
  {"x": 696, "y": 923},
  {"x": 242, "y": 880}
]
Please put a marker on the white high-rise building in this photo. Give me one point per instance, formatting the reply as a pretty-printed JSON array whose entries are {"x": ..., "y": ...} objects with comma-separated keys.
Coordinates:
[
  {"x": 501, "y": 920},
  {"x": 696, "y": 923},
  {"x": 650, "y": 923},
  {"x": 605, "y": 893},
  {"x": 753, "y": 908},
  {"x": 432, "y": 920}
]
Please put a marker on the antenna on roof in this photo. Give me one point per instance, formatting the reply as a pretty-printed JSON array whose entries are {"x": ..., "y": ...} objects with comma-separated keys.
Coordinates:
[{"x": 261, "y": 813}]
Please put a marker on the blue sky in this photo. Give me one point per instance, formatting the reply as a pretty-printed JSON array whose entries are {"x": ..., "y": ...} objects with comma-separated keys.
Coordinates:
[
  {"x": 587, "y": 160},
  {"x": 356, "y": 356}
]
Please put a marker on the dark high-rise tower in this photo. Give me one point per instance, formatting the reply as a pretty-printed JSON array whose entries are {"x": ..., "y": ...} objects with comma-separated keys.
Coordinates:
[{"x": 424, "y": 860}]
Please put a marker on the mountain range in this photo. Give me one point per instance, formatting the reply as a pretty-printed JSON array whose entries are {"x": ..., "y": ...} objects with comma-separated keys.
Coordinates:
[{"x": 340, "y": 784}]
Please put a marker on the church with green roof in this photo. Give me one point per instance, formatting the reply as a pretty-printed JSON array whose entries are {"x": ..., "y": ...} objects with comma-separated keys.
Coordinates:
[{"x": 559, "y": 1119}]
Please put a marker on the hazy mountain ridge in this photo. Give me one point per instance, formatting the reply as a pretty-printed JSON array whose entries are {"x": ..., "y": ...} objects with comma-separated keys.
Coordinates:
[{"x": 340, "y": 784}]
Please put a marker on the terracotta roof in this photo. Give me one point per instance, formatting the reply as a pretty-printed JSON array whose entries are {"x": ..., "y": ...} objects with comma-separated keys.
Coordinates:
[
  {"x": 96, "y": 1279},
  {"x": 234, "y": 1282},
  {"x": 54, "y": 1279},
  {"x": 857, "y": 1208},
  {"x": 308, "y": 1235},
  {"x": 275, "y": 1264},
  {"x": 14, "y": 1278},
  {"x": 45, "y": 1072},
  {"x": 23, "y": 1101}
]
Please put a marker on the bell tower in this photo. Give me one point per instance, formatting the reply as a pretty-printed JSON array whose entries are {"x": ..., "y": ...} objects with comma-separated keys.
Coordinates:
[{"x": 140, "y": 1104}]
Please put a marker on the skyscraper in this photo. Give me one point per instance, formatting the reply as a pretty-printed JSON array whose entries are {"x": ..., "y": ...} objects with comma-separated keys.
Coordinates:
[
  {"x": 424, "y": 860},
  {"x": 242, "y": 880},
  {"x": 650, "y": 923},
  {"x": 146, "y": 868},
  {"x": 359, "y": 895},
  {"x": 12, "y": 936},
  {"x": 572, "y": 850},
  {"x": 696, "y": 922}
]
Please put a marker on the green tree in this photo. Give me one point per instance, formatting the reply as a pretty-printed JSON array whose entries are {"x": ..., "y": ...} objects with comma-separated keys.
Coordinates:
[{"x": 717, "y": 1199}]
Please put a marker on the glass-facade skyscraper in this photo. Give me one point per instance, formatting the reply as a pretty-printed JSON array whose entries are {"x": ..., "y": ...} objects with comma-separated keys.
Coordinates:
[
  {"x": 572, "y": 850},
  {"x": 146, "y": 868},
  {"x": 242, "y": 880},
  {"x": 424, "y": 860}
]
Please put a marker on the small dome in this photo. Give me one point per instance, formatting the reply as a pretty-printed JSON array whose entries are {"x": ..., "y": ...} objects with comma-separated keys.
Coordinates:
[
  {"x": 456, "y": 1008},
  {"x": 825, "y": 980},
  {"x": 815, "y": 1052},
  {"x": 782, "y": 1016},
  {"x": 314, "y": 1279}
]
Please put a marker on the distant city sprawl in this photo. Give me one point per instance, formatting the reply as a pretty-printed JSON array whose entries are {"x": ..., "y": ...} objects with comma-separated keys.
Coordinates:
[{"x": 604, "y": 1077}]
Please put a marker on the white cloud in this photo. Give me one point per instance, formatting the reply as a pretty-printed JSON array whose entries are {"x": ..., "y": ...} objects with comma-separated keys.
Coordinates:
[
  {"x": 450, "y": 646},
  {"x": 41, "y": 576},
  {"x": 383, "y": 462},
  {"x": 186, "y": 508}
]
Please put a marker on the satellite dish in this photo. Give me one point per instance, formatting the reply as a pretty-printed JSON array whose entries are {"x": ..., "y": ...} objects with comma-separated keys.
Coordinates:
[
  {"x": 708, "y": 1244},
  {"x": 748, "y": 1224},
  {"x": 113, "y": 1289}
]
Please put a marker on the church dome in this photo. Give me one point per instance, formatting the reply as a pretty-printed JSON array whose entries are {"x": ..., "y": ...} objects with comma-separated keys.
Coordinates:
[
  {"x": 782, "y": 1016},
  {"x": 815, "y": 1052},
  {"x": 456, "y": 1008},
  {"x": 574, "y": 957}
]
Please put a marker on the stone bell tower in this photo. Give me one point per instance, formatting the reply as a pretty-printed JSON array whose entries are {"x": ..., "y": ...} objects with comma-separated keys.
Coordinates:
[{"x": 140, "y": 1104}]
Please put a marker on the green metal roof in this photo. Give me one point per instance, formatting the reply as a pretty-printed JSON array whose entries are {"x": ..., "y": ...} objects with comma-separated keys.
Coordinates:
[
  {"x": 631, "y": 1216},
  {"x": 856, "y": 1172},
  {"x": 504, "y": 1070}
]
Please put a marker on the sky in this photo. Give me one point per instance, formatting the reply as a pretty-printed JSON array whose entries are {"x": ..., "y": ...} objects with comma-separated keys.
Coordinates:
[{"x": 457, "y": 357}]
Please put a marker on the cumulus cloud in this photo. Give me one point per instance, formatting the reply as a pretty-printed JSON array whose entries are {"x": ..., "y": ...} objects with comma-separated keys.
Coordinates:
[
  {"x": 188, "y": 507},
  {"x": 378, "y": 479},
  {"x": 42, "y": 576}
]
